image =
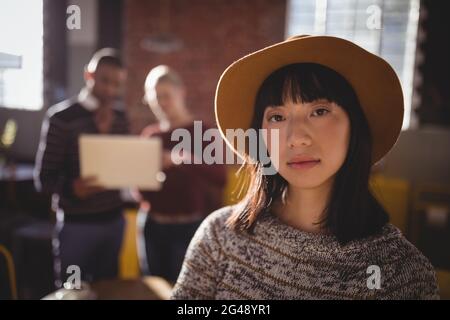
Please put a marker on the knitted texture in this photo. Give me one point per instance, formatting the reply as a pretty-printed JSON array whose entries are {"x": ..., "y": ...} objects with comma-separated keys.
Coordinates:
[{"x": 278, "y": 261}]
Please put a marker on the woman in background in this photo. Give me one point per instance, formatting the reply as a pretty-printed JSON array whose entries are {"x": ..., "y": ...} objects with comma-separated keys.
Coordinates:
[{"x": 168, "y": 219}]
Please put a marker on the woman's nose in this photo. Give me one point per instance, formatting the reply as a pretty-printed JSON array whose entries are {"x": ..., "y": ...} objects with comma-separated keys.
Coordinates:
[{"x": 298, "y": 133}]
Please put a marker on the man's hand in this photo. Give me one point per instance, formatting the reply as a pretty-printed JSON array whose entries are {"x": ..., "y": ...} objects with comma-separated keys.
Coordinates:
[{"x": 86, "y": 187}]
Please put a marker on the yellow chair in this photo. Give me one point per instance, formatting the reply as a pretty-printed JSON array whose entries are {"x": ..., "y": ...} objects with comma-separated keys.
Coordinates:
[
  {"x": 11, "y": 271},
  {"x": 237, "y": 182},
  {"x": 443, "y": 277},
  {"x": 128, "y": 259},
  {"x": 394, "y": 195}
]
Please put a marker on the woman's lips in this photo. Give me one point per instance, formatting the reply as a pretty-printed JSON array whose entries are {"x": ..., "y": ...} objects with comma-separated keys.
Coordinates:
[{"x": 303, "y": 164}]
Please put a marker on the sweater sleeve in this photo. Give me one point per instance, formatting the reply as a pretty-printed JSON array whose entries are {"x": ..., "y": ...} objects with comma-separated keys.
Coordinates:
[
  {"x": 412, "y": 278},
  {"x": 50, "y": 157},
  {"x": 201, "y": 272}
]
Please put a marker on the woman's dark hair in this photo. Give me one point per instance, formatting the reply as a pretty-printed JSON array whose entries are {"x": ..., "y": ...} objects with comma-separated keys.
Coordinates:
[{"x": 352, "y": 212}]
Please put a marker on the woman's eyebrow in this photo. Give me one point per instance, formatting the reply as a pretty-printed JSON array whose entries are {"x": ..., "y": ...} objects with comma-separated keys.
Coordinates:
[
  {"x": 275, "y": 106},
  {"x": 319, "y": 101}
]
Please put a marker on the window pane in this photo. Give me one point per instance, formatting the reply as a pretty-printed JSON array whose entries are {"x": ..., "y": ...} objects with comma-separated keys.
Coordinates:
[
  {"x": 21, "y": 54},
  {"x": 395, "y": 40}
]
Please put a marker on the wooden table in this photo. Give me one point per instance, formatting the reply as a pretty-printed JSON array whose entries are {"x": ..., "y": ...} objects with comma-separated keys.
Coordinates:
[{"x": 146, "y": 288}]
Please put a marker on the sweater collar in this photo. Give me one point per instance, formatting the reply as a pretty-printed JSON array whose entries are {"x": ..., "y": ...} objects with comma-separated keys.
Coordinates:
[{"x": 272, "y": 227}]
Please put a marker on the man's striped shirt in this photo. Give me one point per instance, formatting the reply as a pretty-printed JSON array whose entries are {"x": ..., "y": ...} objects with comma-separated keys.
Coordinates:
[{"x": 57, "y": 160}]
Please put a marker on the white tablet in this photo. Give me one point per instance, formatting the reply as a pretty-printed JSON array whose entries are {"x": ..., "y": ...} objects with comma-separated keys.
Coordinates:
[{"x": 120, "y": 161}]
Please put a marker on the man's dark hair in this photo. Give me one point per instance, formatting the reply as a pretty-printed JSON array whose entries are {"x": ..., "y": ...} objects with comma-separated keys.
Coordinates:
[{"x": 107, "y": 56}]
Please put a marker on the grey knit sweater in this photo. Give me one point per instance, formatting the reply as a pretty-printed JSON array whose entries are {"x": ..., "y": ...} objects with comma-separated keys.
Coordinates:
[{"x": 281, "y": 262}]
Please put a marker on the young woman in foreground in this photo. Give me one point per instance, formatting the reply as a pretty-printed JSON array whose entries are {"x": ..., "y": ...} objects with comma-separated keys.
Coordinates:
[{"x": 313, "y": 230}]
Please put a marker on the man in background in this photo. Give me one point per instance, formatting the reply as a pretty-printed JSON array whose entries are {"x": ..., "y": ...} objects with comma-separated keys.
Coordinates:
[{"x": 90, "y": 224}]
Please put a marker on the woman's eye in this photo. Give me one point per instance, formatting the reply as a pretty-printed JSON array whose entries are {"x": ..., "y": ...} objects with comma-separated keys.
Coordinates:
[
  {"x": 320, "y": 112},
  {"x": 275, "y": 118}
]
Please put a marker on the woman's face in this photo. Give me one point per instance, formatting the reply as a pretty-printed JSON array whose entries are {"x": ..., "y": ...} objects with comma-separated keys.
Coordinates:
[
  {"x": 313, "y": 141},
  {"x": 166, "y": 98}
]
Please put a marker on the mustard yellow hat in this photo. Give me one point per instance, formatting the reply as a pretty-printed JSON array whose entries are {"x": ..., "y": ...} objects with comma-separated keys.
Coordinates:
[{"x": 373, "y": 79}]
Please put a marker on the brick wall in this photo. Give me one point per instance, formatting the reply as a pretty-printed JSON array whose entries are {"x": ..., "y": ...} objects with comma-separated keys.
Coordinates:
[{"x": 214, "y": 33}]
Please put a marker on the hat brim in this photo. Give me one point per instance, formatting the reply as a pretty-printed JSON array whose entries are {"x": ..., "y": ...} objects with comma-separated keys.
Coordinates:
[{"x": 373, "y": 79}]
